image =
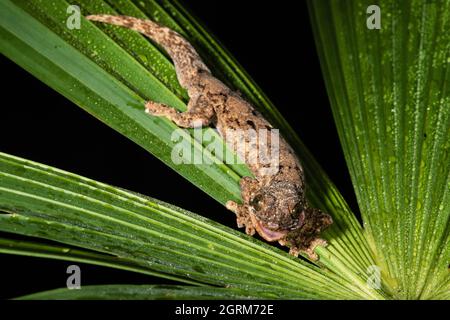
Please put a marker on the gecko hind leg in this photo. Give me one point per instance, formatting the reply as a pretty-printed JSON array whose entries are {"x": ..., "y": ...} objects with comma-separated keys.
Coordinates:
[
  {"x": 186, "y": 119},
  {"x": 242, "y": 216},
  {"x": 197, "y": 114}
]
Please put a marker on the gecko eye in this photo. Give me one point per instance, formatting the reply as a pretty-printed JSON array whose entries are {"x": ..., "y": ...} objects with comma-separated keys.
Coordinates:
[
  {"x": 297, "y": 208},
  {"x": 256, "y": 202}
]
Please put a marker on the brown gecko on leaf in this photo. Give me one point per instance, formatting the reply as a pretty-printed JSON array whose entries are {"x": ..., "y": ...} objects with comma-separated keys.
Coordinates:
[{"x": 273, "y": 205}]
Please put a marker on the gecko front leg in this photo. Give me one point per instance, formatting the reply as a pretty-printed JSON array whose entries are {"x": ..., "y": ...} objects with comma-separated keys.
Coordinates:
[
  {"x": 306, "y": 239},
  {"x": 243, "y": 218}
]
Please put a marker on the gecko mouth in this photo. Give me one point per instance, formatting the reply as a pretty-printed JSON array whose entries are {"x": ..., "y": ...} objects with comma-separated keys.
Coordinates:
[
  {"x": 273, "y": 235},
  {"x": 265, "y": 232}
]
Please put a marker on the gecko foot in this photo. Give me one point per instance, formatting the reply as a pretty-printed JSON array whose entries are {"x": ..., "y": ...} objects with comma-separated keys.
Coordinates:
[
  {"x": 242, "y": 218},
  {"x": 187, "y": 119},
  {"x": 232, "y": 206},
  {"x": 309, "y": 251},
  {"x": 159, "y": 109}
]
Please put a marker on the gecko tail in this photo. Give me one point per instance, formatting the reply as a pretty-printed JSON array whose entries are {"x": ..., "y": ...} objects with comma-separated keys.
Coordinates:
[
  {"x": 146, "y": 27},
  {"x": 186, "y": 59}
]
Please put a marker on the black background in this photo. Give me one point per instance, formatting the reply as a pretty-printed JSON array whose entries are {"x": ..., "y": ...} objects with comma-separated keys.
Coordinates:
[{"x": 273, "y": 43}]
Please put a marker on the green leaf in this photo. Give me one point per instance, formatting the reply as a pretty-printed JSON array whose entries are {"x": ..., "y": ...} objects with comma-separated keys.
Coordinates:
[
  {"x": 139, "y": 292},
  {"x": 390, "y": 98},
  {"x": 390, "y": 95},
  {"x": 69, "y": 253},
  {"x": 95, "y": 72},
  {"x": 110, "y": 72},
  {"x": 53, "y": 204}
]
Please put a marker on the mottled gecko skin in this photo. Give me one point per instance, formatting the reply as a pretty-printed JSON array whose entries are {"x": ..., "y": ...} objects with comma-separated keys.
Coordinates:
[{"x": 273, "y": 205}]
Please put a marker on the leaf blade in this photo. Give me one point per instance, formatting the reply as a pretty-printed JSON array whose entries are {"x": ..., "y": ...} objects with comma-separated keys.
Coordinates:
[
  {"x": 389, "y": 95},
  {"x": 50, "y": 204},
  {"x": 139, "y": 292}
]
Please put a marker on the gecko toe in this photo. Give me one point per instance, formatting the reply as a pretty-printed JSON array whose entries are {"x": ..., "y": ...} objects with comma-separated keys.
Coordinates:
[
  {"x": 232, "y": 206},
  {"x": 249, "y": 230},
  {"x": 158, "y": 109}
]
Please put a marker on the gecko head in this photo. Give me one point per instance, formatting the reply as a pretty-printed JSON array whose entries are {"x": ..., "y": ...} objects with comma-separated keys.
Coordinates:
[{"x": 278, "y": 209}]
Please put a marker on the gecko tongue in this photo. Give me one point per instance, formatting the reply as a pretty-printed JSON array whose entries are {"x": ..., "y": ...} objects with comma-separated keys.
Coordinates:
[
  {"x": 271, "y": 235},
  {"x": 267, "y": 234}
]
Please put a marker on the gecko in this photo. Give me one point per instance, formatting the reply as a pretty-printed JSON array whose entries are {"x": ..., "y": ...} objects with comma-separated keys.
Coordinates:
[{"x": 274, "y": 206}]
